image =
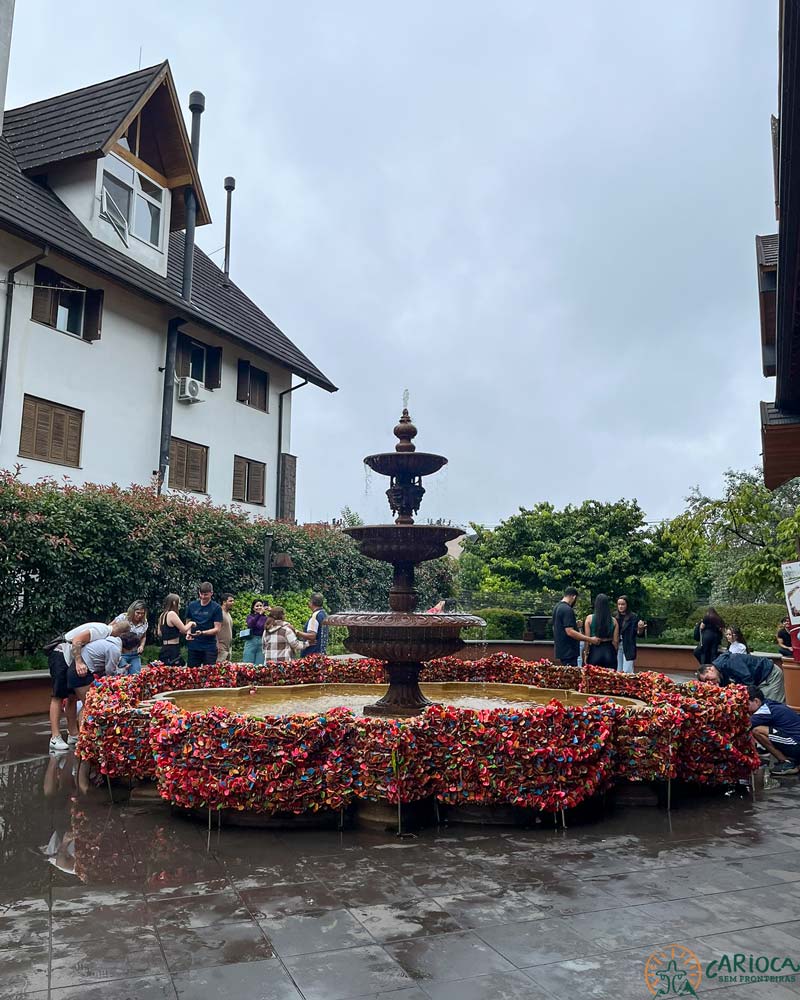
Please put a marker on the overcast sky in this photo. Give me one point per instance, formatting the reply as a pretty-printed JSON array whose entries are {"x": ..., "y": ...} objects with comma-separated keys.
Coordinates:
[{"x": 537, "y": 218}]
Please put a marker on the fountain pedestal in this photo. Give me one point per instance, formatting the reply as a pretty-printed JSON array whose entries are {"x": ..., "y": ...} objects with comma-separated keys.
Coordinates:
[{"x": 403, "y": 639}]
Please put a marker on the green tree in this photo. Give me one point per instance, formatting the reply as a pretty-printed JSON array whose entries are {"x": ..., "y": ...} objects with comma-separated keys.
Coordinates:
[
  {"x": 596, "y": 547},
  {"x": 747, "y": 533}
]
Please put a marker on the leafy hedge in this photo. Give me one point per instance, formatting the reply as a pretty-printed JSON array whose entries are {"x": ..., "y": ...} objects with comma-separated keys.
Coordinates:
[
  {"x": 502, "y": 623},
  {"x": 70, "y": 554},
  {"x": 748, "y": 617}
]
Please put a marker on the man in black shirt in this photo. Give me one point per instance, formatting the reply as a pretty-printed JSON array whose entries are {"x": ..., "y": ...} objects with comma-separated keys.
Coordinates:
[{"x": 566, "y": 636}]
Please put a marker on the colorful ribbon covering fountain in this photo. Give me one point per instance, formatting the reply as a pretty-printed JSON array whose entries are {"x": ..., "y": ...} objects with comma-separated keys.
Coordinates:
[{"x": 548, "y": 757}]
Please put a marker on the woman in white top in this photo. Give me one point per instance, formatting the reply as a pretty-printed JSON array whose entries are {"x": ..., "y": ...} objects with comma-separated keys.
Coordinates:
[
  {"x": 736, "y": 643},
  {"x": 137, "y": 616}
]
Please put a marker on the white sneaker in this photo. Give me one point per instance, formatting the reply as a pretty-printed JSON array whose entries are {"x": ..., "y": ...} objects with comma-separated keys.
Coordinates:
[
  {"x": 57, "y": 745},
  {"x": 72, "y": 741}
]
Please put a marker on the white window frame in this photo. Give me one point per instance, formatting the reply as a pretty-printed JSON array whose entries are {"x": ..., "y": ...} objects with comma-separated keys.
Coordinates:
[{"x": 111, "y": 212}]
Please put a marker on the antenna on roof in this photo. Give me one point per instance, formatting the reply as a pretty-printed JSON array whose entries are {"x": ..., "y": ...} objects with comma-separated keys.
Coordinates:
[{"x": 140, "y": 57}]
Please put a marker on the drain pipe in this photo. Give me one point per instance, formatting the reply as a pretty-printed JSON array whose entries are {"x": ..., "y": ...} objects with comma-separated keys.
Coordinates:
[
  {"x": 12, "y": 272},
  {"x": 197, "y": 105},
  {"x": 278, "y": 482},
  {"x": 168, "y": 398}
]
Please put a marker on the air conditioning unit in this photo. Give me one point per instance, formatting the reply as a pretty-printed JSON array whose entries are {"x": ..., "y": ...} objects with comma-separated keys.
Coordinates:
[{"x": 190, "y": 390}]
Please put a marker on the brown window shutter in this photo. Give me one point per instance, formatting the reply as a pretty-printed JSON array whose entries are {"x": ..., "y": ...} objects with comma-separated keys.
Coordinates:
[
  {"x": 44, "y": 299},
  {"x": 27, "y": 433},
  {"x": 213, "y": 367},
  {"x": 58, "y": 435},
  {"x": 256, "y": 484},
  {"x": 196, "y": 468},
  {"x": 182, "y": 357},
  {"x": 93, "y": 314},
  {"x": 72, "y": 455},
  {"x": 258, "y": 389},
  {"x": 177, "y": 464},
  {"x": 41, "y": 444},
  {"x": 243, "y": 382},
  {"x": 239, "y": 478}
]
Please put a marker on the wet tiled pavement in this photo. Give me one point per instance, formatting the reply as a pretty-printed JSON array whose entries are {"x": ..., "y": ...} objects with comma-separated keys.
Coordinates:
[{"x": 113, "y": 901}]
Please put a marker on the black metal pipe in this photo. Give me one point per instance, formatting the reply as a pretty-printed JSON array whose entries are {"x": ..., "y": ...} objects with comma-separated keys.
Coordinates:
[
  {"x": 197, "y": 104},
  {"x": 230, "y": 187},
  {"x": 278, "y": 482},
  {"x": 4, "y": 348},
  {"x": 168, "y": 398}
]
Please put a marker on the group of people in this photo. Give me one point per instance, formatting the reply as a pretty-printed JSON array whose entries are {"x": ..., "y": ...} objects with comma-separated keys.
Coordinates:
[
  {"x": 602, "y": 639},
  {"x": 97, "y": 649}
]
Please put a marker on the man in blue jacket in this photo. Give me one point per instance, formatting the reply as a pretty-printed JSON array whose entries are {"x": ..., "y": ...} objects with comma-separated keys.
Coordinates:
[
  {"x": 743, "y": 668},
  {"x": 773, "y": 723}
]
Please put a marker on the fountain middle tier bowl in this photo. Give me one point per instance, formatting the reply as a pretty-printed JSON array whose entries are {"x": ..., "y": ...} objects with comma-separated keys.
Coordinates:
[
  {"x": 314, "y": 699},
  {"x": 403, "y": 638},
  {"x": 403, "y": 543}
]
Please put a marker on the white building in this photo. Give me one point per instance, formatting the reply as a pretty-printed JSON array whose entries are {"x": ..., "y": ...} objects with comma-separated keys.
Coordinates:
[{"x": 107, "y": 338}]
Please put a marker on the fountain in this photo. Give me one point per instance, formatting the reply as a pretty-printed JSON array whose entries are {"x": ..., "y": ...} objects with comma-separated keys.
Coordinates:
[{"x": 403, "y": 638}]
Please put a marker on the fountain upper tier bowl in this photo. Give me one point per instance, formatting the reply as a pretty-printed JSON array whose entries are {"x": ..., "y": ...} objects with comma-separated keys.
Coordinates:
[
  {"x": 405, "y": 463},
  {"x": 412, "y": 543}
]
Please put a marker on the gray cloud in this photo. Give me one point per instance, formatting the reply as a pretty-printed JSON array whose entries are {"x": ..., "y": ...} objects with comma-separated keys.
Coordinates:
[{"x": 538, "y": 221}]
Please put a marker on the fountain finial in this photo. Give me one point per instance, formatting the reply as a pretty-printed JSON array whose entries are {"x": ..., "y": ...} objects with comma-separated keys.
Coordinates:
[{"x": 405, "y": 431}]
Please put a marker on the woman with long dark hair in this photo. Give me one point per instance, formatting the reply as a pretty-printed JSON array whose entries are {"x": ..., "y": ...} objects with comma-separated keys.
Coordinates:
[
  {"x": 170, "y": 630},
  {"x": 708, "y": 635},
  {"x": 602, "y": 626}
]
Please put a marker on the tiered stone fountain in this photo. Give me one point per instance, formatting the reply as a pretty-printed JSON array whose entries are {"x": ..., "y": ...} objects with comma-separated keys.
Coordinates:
[{"x": 403, "y": 638}]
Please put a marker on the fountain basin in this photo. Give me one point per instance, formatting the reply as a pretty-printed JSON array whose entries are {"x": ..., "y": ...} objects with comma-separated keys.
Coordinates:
[
  {"x": 399, "y": 637},
  {"x": 315, "y": 699},
  {"x": 409, "y": 463}
]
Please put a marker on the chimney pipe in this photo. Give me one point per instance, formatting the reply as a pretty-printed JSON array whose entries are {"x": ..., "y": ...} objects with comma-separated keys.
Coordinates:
[
  {"x": 197, "y": 105},
  {"x": 6, "y": 23},
  {"x": 230, "y": 187}
]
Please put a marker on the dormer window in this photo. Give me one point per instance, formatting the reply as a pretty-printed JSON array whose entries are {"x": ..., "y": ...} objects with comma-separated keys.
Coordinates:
[{"x": 131, "y": 202}]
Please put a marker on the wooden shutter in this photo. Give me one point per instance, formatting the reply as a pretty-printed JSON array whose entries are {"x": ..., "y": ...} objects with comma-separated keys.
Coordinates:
[
  {"x": 58, "y": 434},
  {"x": 243, "y": 382},
  {"x": 255, "y": 485},
  {"x": 183, "y": 357},
  {"x": 213, "y": 367},
  {"x": 258, "y": 389},
  {"x": 239, "y": 479},
  {"x": 196, "y": 468},
  {"x": 177, "y": 464},
  {"x": 93, "y": 314},
  {"x": 41, "y": 442},
  {"x": 44, "y": 299},
  {"x": 72, "y": 454},
  {"x": 28, "y": 429}
]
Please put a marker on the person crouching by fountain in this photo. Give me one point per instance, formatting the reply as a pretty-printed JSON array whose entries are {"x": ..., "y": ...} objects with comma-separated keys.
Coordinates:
[
  {"x": 170, "y": 628},
  {"x": 256, "y": 621},
  {"x": 316, "y": 633},
  {"x": 566, "y": 637},
  {"x": 776, "y": 728},
  {"x": 279, "y": 637}
]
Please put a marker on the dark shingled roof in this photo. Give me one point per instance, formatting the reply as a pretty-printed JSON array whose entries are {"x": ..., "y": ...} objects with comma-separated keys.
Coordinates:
[
  {"x": 35, "y": 213},
  {"x": 767, "y": 250},
  {"x": 73, "y": 125}
]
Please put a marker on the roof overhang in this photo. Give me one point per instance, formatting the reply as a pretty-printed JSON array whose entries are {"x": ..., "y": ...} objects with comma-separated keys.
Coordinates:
[
  {"x": 767, "y": 269},
  {"x": 780, "y": 445}
]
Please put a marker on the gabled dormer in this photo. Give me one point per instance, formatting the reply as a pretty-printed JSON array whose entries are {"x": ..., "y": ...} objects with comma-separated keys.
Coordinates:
[{"x": 118, "y": 155}]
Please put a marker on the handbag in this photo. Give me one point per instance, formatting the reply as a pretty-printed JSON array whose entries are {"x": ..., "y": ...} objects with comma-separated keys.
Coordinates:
[{"x": 50, "y": 647}]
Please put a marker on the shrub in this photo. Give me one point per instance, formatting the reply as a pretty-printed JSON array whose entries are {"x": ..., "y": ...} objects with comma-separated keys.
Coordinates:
[
  {"x": 501, "y": 623},
  {"x": 71, "y": 554}
]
